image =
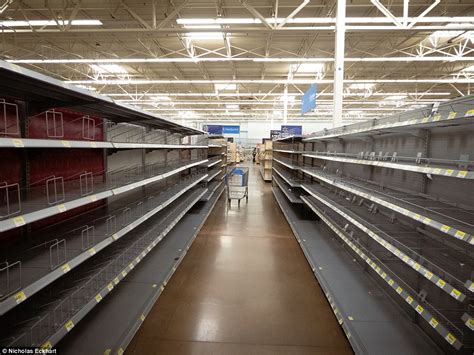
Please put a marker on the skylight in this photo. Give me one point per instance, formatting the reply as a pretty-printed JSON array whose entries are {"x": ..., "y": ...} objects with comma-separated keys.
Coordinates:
[
  {"x": 43, "y": 23},
  {"x": 108, "y": 69}
]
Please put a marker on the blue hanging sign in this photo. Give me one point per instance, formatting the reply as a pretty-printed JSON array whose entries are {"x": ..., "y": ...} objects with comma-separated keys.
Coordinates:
[
  {"x": 308, "y": 102},
  {"x": 214, "y": 129},
  {"x": 287, "y": 130},
  {"x": 231, "y": 129}
]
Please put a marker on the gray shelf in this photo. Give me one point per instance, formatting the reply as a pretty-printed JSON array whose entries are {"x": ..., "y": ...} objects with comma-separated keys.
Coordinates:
[
  {"x": 32, "y": 213},
  {"x": 372, "y": 323},
  {"x": 66, "y": 304},
  {"x": 36, "y": 274},
  {"x": 453, "y": 113},
  {"x": 291, "y": 164},
  {"x": 411, "y": 165},
  {"x": 212, "y": 187},
  {"x": 110, "y": 328},
  {"x": 429, "y": 258},
  {"x": 289, "y": 177},
  {"x": 444, "y": 329},
  {"x": 447, "y": 219},
  {"x": 22, "y": 83},
  {"x": 291, "y": 195},
  {"x": 214, "y": 161},
  {"x": 213, "y": 173},
  {"x": 65, "y": 143}
]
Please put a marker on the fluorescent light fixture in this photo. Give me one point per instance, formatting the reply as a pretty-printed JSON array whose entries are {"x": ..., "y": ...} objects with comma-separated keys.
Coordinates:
[
  {"x": 396, "y": 97},
  {"x": 108, "y": 69},
  {"x": 43, "y": 23},
  {"x": 90, "y": 88},
  {"x": 310, "y": 67},
  {"x": 222, "y": 87},
  {"x": 232, "y": 106},
  {"x": 469, "y": 69},
  {"x": 161, "y": 98},
  {"x": 233, "y": 113},
  {"x": 361, "y": 86},
  {"x": 319, "y": 20},
  {"x": 204, "y": 35},
  {"x": 204, "y": 27}
]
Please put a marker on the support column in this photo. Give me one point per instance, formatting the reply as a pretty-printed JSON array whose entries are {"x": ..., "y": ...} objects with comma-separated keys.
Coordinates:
[
  {"x": 339, "y": 63},
  {"x": 285, "y": 105}
]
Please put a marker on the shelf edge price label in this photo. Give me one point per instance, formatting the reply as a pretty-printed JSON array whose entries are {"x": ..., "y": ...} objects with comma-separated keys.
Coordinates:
[
  {"x": 19, "y": 221},
  {"x": 19, "y": 297},
  {"x": 18, "y": 143},
  {"x": 62, "y": 208},
  {"x": 433, "y": 322},
  {"x": 47, "y": 345},
  {"x": 66, "y": 144},
  {"x": 69, "y": 325},
  {"x": 66, "y": 268},
  {"x": 451, "y": 339},
  {"x": 98, "y": 298}
]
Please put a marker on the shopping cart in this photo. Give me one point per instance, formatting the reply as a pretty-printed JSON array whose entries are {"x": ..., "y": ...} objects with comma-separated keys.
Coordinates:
[{"x": 237, "y": 181}]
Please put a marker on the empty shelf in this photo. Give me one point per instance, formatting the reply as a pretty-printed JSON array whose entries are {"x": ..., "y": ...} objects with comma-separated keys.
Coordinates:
[
  {"x": 455, "y": 222},
  {"x": 40, "y": 272},
  {"x": 363, "y": 312},
  {"x": 292, "y": 196},
  {"x": 112, "y": 329},
  {"x": 288, "y": 163},
  {"x": 64, "y": 143},
  {"x": 402, "y": 242},
  {"x": 406, "y": 166},
  {"x": 409, "y": 296},
  {"x": 36, "y": 207},
  {"x": 58, "y": 312}
]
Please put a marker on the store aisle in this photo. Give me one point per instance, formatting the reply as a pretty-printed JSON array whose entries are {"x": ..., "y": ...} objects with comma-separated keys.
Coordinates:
[{"x": 244, "y": 288}]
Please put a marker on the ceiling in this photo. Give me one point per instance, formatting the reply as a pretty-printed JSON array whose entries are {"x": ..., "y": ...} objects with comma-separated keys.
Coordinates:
[{"x": 150, "y": 53}]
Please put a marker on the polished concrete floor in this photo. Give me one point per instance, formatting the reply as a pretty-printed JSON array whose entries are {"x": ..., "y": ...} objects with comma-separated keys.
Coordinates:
[{"x": 244, "y": 288}]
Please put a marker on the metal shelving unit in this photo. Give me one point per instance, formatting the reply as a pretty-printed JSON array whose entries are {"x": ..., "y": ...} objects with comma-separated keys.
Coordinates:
[
  {"x": 64, "y": 305},
  {"x": 265, "y": 158},
  {"x": 74, "y": 237},
  {"x": 110, "y": 328},
  {"x": 359, "y": 304},
  {"x": 393, "y": 193}
]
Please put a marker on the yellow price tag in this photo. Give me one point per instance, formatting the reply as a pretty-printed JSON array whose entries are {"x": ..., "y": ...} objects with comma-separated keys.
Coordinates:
[
  {"x": 66, "y": 144},
  {"x": 399, "y": 290},
  {"x": 455, "y": 293},
  {"x": 116, "y": 280},
  {"x": 452, "y": 115},
  {"x": 433, "y": 322},
  {"x": 18, "y": 143},
  {"x": 19, "y": 297},
  {"x": 92, "y": 251},
  {"x": 19, "y": 221},
  {"x": 69, "y": 325},
  {"x": 459, "y": 234},
  {"x": 450, "y": 338},
  {"x": 419, "y": 309},
  {"x": 469, "y": 112},
  {"x": 391, "y": 282},
  {"x": 62, "y": 208},
  {"x": 428, "y": 275},
  {"x": 93, "y": 198},
  {"x": 449, "y": 172},
  {"x": 47, "y": 345},
  {"x": 142, "y": 317},
  {"x": 98, "y": 298},
  {"x": 110, "y": 286},
  {"x": 441, "y": 283},
  {"x": 444, "y": 228},
  {"x": 409, "y": 299},
  {"x": 66, "y": 268}
]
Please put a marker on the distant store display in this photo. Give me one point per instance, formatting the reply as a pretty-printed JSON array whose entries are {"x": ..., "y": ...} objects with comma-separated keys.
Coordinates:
[
  {"x": 221, "y": 129},
  {"x": 275, "y": 133},
  {"x": 287, "y": 130}
]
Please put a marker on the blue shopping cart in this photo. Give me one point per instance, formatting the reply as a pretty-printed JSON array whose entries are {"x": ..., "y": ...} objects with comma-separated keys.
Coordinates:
[{"x": 237, "y": 181}]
